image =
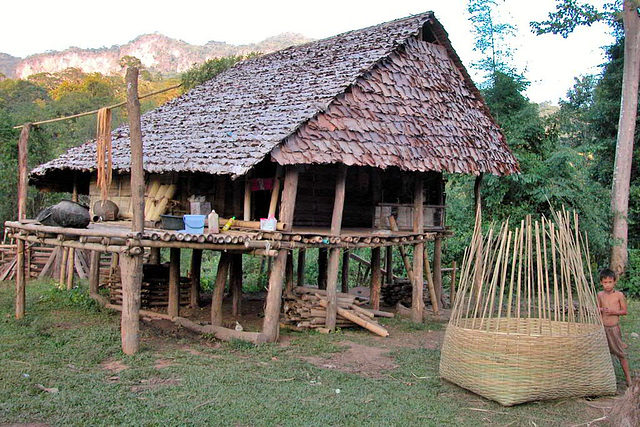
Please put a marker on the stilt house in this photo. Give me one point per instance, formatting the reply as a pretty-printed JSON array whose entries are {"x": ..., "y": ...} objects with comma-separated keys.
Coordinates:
[{"x": 340, "y": 133}]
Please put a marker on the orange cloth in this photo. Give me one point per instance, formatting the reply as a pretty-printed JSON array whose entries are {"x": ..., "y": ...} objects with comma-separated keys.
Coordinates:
[{"x": 614, "y": 339}]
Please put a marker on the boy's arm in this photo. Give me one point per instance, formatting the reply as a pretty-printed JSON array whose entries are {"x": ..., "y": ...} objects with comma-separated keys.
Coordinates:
[
  {"x": 623, "y": 305},
  {"x": 599, "y": 302}
]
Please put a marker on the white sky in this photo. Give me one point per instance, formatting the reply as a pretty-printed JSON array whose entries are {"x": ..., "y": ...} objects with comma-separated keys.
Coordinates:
[{"x": 549, "y": 62}]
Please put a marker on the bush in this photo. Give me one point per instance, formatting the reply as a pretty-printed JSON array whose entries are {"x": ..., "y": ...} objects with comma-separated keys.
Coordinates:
[{"x": 630, "y": 283}]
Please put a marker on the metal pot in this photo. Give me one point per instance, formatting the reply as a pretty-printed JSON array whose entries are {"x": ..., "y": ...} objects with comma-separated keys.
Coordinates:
[{"x": 105, "y": 210}]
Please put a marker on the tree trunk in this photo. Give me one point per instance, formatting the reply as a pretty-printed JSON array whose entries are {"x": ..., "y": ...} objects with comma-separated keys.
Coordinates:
[{"x": 626, "y": 132}]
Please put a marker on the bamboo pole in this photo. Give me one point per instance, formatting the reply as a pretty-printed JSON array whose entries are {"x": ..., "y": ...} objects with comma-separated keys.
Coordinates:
[
  {"x": 452, "y": 292},
  {"x": 405, "y": 258},
  {"x": 437, "y": 268}
]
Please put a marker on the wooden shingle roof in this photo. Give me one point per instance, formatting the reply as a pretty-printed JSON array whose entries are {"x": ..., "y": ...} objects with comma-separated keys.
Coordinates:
[{"x": 378, "y": 96}]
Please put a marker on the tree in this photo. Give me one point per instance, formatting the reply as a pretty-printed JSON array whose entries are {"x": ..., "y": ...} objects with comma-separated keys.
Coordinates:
[{"x": 568, "y": 15}]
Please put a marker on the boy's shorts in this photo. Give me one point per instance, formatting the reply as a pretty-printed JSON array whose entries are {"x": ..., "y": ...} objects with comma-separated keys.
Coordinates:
[{"x": 614, "y": 339}]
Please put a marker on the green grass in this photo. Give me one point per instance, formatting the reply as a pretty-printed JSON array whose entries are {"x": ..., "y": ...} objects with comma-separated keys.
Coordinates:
[{"x": 65, "y": 338}]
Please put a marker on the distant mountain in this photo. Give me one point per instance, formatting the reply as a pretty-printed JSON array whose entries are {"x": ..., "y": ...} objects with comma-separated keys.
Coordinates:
[{"x": 158, "y": 53}]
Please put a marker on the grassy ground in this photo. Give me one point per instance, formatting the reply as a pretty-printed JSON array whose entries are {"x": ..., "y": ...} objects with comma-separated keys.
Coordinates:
[{"x": 62, "y": 365}]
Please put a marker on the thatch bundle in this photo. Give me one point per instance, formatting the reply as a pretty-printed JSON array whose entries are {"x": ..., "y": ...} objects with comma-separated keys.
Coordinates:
[{"x": 525, "y": 324}]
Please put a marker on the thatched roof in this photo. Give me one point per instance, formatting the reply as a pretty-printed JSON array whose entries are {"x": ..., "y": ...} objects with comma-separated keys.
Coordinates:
[{"x": 378, "y": 97}]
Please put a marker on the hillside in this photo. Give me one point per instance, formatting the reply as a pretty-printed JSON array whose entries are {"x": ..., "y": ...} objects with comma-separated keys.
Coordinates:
[{"x": 158, "y": 53}]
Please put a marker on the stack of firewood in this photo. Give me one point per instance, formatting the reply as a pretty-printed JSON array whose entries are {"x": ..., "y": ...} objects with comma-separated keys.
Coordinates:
[
  {"x": 400, "y": 292},
  {"x": 305, "y": 308}
]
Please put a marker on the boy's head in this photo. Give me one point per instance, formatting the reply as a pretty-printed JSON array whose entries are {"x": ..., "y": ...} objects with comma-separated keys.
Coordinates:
[{"x": 608, "y": 279}]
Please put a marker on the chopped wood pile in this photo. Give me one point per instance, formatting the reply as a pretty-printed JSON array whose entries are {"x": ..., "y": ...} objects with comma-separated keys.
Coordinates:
[
  {"x": 305, "y": 308},
  {"x": 400, "y": 292}
]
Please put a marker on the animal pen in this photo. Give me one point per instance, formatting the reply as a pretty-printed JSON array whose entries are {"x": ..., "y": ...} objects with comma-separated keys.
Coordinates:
[{"x": 344, "y": 140}]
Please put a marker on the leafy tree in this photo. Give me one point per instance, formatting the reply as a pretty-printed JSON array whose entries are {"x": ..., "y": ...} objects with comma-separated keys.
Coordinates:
[
  {"x": 568, "y": 15},
  {"x": 200, "y": 73}
]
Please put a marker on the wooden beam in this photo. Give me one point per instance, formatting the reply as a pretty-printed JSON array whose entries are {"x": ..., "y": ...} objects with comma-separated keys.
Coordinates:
[
  {"x": 275, "y": 192},
  {"x": 417, "y": 301},
  {"x": 301, "y": 267},
  {"x": 334, "y": 253},
  {"x": 322, "y": 267},
  {"x": 218, "y": 288},
  {"x": 376, "y": 279},
  {"x": 270, "y": 326},
  {"x": 437, "y": 268},
  {"x": 196, "y": 271},
  {"x": 346, "y": 256},
  {"x": 173, "y": 309},
  {"x": 154, "y": 256},
  {"x": 131, "y": 263},
  {"x": 247, "y": 199},
  {"x": 23, "y": 171},
  {"x": 235, "y": 283}
]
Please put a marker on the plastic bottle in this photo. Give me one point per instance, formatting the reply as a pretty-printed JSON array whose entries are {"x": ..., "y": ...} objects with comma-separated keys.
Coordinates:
[
  {"x": 227, "y": 226},
  {"x": 212, "y": 222}
]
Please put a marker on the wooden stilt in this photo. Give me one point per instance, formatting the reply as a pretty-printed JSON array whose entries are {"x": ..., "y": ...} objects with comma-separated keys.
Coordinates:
[
  {"x": 288, "y": 276},
  {"x": 196, "y": 269},
  {"x": 376, "y": 279},
  {"x": 345, "y": 271},
  {"x": 301, "y": 267},
  {"x": 218, "y": 289},
  {"x": 435, "y": 301},
  {"x": 403, "y": 253},
  {"x": 417, "y": 301},
  {"x": 154, "y": 256},
  {"x": 270, "y": 326},
  {"x": 437, "y": 269},
  {"x": 322, "y": 267},
  {"x": 20, "y": 280},
  {"x": 389, "y": 265},
  {"x": 131, "y": 272},
  {"x": 235, "y": 282},
  {"x": 334, "y": 253},
  {"x": 63, "y": 268},
  {"x": 94, "y": 273},
  {"x": 71, "y": 267},
  {"x": 173, "y": 309}
]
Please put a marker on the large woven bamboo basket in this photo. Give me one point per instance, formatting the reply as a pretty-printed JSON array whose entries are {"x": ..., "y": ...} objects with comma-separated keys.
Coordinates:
[{"x": 525, "y": 325}]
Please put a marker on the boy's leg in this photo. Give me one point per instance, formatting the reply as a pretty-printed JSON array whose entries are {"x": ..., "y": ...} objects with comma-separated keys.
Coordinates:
[{"x": 625, "y": 368}]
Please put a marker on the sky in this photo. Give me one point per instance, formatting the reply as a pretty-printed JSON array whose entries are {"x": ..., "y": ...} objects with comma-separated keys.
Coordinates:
[{"x": 550, "y": 62}]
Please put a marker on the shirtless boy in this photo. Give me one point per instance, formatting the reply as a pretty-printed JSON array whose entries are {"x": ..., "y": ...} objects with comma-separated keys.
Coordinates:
[{"x": 612, "y": 305}]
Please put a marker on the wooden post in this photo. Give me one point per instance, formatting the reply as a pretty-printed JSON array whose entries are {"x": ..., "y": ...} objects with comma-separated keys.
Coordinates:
[
  {"x": 376, "y": 278},
  {"x": 94, "y": 273},
  {"x": 345, "y": 271},
  {"x": 437, "y": 268},
  {"x": 322, "y": 268},
  {"x": 20, "y": 282},
  {"x": 23, "y": 175},
  {"x": 275, "y": 192},
  {"x": 247, "y": 199},
  {"x": 288, "y": 276},
  {"x": 63, "y": 267},
  {"x": 218, "y": 289},
  {"x": 477, "y": 195},
  {"x": 334, "y": 253},
  {"x": 270, "y": 327},
  {"x": 154, "y": 256},
  {"x": 417, "y": 301},
  {"x": 173, "y": 309},
  {"x": 435, "y": 302},
  {"x": 235, "y": 283},
  {"x": 389, "y": 264},
  {"x": 71, "y": 268},
  {"x": 196, "y": 269},
  {"x": 301, "y": 266},
  {"x": 131, "y": 262}
]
